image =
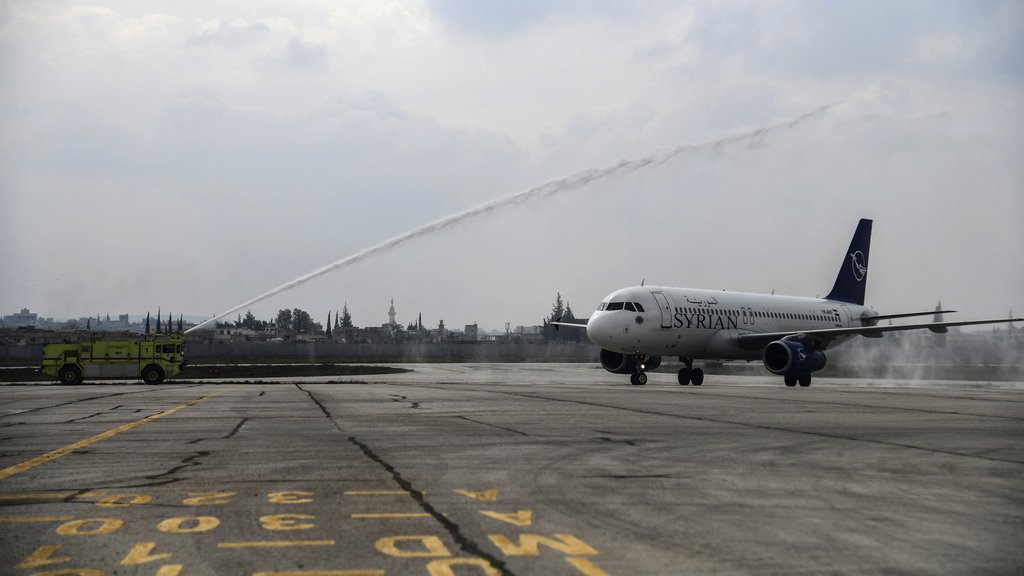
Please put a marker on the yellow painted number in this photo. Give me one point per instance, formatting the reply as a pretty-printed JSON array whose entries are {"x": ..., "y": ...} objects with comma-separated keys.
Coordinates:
[
  {"x": 292, "y": 497},
  {"x": 286, "y": 522},
  {"x": 90, "y": 527},
  {"x": 188, "y": 524},
  {"x": 208, "y": 498}
]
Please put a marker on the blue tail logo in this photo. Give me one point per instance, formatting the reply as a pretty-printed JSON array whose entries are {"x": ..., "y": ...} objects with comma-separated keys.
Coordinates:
[
  {"x": 852, "y": 278},
  {"x": 860, "y": 265}
]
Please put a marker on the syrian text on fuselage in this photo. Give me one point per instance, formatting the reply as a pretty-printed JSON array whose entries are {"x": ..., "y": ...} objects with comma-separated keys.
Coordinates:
[{"x": 705, "y": 321}]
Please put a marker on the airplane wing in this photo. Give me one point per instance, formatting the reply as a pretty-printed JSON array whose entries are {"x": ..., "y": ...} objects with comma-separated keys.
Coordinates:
[
  {"x": 754, "y": 341},
  {"x": 572, "y": 324}
]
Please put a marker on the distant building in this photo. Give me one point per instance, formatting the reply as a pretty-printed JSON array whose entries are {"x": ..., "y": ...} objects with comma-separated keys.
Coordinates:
[{"x": 21, "y": 319}]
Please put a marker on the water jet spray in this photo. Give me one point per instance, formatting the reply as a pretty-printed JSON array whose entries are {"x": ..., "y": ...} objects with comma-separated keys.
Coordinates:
[{"x": 550, "y": 188}]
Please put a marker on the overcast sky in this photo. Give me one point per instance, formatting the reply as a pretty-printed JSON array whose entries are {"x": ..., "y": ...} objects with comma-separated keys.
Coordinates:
[{"x": 192, "y": 155}]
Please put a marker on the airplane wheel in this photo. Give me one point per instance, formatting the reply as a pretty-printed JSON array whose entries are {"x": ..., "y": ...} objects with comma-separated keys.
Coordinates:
[
  {"x": 805, "y": 380},
  {"x": 684, "y": 377},
  {"x": 790, "y": 380},
  {"x": 697, "y": 376},
  {"x": 638, "y": 379}
]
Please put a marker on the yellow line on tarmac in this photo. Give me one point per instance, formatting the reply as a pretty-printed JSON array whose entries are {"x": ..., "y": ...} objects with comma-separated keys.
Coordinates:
[
  {"x": 27, "y": 465},
  {"x": 323, "y": 573},
  {"x": 16, "y": 519},
  {"x": 275, "y": 544},
  {"x": 406, "y": 515},
  {"x": 373, "y": 492}
]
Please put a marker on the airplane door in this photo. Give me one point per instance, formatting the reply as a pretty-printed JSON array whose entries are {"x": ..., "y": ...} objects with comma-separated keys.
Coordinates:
[{"x": 666, "y": 309}]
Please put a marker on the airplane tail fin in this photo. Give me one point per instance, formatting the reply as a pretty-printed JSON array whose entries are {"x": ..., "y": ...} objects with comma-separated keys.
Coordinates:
[{"x": 853, "y": 273}]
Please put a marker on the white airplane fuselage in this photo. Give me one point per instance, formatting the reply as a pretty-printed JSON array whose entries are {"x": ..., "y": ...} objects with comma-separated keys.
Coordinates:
[
  {"x": 635, "y": 327},
  {"x": 694, "y": 323}
]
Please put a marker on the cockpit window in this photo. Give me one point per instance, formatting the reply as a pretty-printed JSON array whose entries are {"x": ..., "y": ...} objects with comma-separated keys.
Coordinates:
[
  {"x": 614, "y": 306},
  {"x": 601, "y": 306},
  {"x": 629, "y": 306},
  {"x": 639, "y": 308}
]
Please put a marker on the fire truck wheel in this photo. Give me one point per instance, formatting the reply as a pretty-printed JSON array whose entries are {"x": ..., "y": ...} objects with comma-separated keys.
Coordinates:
[
  {"x": 71, "y": 375},
  {"x": 152, "y": 374}
]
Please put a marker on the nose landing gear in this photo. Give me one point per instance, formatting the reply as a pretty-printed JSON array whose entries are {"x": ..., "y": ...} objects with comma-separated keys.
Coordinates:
[{"x": 639, "y": 378}]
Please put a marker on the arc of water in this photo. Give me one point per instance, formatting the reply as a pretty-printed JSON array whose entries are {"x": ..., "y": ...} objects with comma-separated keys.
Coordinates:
[{"x": 550, "y": 188}]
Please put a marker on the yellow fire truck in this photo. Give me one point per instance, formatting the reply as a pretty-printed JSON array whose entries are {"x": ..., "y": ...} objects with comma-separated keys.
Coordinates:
[{"x": 151, "y": 358}]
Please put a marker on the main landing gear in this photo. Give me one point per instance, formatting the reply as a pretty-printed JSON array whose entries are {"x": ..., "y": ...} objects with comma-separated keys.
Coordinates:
[
  {"x": 803, "y": 379},
  {"x": 689, "y": 374}
]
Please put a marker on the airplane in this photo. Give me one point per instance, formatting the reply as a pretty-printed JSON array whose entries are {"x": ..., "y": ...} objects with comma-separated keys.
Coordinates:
[{"x": 636, "y": 326}]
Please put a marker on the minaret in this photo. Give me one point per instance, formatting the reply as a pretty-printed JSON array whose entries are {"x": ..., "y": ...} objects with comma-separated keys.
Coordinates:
[{"x": 391, "y": 313}]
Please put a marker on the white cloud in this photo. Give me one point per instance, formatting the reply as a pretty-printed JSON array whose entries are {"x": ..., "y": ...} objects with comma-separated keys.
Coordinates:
[{"x": 267, "y": 140}]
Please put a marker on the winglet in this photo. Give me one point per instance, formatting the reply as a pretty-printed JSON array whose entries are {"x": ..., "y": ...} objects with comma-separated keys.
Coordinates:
[{"x": 853, "y": 273}]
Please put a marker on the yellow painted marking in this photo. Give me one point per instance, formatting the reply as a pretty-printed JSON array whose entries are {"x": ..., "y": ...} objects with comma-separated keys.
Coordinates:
[
  {"x": 36, "y": 496},
  {"x": 286, "y": 522},
  {"x": 404, "y": 515},
  {"x": 323, "y": 573},
  {"x": 71, "y": 572},
  {"x": 373, "y": 492},
  {"x": 96, "y": 494},
  {"x": 123, "y": 500},
  {"x": 188, "y": 524},
  {"x": 585, "y": 567},
  {"x": 292, "y": 497},
  {"x": 208, "y": 498},
  {"x": 29, "y": 464},
  {"x": 141, "y": 553},
  {"x": 43, "y": 556},
  {"x": 78, "y": 527},
  {"x": 169, "y": 570},
  {"x": 430, "y": 547},
  {"x": 483, "y": 495},
  {"x": 275, "y": 544},
  {"x": 19, "y": 519},
  {"x": 529, "y": 545},
  {"x": 520, "y": 518},
  {"x": 443, "y": 567}
]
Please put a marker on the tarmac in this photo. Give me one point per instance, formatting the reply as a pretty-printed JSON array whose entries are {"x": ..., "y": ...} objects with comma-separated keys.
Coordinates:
[{"x": 483, "y": 469}]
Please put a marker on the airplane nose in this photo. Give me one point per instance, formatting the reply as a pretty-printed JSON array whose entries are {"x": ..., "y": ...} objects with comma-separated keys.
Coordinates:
[{"x": 599, "y": 330}]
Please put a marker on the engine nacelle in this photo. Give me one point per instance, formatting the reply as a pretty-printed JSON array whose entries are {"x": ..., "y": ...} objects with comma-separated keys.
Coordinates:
[
  {"x": 619, "y": 363},
  {"x": 791, "y": 358}
]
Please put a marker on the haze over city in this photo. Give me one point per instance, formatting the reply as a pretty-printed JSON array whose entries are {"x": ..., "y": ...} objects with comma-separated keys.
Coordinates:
[{"x": 193, "y": 156}]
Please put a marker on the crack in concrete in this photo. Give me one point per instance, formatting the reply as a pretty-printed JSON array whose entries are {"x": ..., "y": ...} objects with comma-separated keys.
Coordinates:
[
  {"x": 186, "y": 462},
  {"x": 521, "y": 433},
  {"x": 454, "y": 530}
]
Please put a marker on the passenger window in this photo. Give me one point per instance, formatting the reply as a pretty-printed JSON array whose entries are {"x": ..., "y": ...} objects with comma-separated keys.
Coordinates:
[
  {"x": 629, "y": 306},
  {"x": 615, "y": 306},
  {"x": 639, "y": 308}
]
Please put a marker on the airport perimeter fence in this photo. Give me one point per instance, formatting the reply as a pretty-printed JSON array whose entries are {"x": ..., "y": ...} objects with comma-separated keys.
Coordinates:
[{"x": 335, "y": 352}]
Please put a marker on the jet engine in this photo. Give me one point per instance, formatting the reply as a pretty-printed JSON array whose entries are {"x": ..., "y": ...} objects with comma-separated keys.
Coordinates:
[
  {"x": 619, "y": 363},
  {"x": 792, "y": 358}
]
